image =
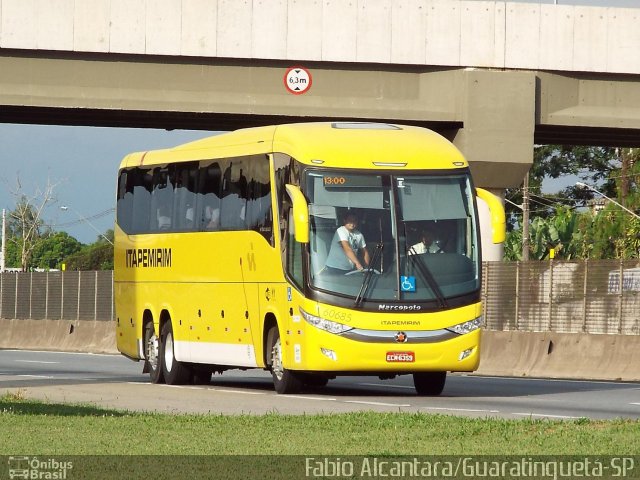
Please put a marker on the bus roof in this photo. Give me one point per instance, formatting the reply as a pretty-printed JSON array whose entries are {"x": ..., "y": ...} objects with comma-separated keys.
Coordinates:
[{"x": 330, "y": 144}]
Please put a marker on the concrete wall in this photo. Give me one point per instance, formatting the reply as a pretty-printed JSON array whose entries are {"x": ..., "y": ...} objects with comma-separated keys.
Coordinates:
[
  {"x": 560, "y": 355},
  {"x": 61, "y": 335},
  {"x": 490, "y": 34},
  {"x": 512, "y": 354}
]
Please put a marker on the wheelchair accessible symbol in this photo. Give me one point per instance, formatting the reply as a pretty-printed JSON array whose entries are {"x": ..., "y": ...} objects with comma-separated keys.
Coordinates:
[{"x": 407, "y": 284}]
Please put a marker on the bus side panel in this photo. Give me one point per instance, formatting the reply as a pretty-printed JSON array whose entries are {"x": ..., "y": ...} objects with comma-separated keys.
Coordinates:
[
  {"x": 296, "y": 332},
  {"x": 221, "y": 329},
  {"x": 272, "y": 298},
  {"x": 127, "y": 320}
]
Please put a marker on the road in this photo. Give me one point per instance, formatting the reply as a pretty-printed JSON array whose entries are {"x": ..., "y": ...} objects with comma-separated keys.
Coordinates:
[{"x": 115, "y": 382}]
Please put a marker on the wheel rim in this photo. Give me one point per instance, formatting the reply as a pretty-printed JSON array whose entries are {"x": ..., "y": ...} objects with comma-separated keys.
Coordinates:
[
  {"x": 168, "y": 351},
  {"x": 152, "y": 351},
  {"x": 276, "y": 360}
]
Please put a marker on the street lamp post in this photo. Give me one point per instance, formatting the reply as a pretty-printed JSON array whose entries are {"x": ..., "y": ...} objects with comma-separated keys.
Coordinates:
[
  {"x": 64, "y": 208},
  {"x": 589, "y": 187}
]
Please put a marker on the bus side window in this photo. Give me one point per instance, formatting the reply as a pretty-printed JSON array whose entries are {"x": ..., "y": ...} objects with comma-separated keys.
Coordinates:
[
  {"x": 184, "y": 199},
  {"x": 161, "y": 199},
  {"x": 125, "y": 200},
  {"x": 208, "y": 196},
  {"x": 143, "y": 185},
  {"x": 234, "y": 196},
  {"x": 258, "y": 210}
]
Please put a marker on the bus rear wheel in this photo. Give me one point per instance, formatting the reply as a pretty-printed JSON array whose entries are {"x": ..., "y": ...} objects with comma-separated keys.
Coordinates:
[
  {"x": 174, "y": 372},
  {"x": 429, "y": 384},
  {"x": 152, "y": 354},
  {"x": 284, "y": 381}
]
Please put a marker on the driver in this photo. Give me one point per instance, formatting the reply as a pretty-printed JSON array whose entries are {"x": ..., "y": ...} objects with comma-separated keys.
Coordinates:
[{"x": 346, "y": 244}]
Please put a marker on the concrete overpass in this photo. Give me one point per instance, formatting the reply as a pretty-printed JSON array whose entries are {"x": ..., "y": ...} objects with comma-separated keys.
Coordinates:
[{"x": 495, "y": 77}]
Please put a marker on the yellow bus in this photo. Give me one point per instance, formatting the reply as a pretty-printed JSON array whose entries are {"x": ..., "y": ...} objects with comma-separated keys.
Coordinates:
[{"x": 310, "y": 250}]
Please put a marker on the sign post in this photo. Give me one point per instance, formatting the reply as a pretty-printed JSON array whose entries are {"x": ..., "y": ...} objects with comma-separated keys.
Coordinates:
[{"x": 297, "y": 80}]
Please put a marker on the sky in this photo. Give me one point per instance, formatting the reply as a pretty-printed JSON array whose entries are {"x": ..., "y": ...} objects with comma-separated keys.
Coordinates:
[{"x": 82, "y": 162}]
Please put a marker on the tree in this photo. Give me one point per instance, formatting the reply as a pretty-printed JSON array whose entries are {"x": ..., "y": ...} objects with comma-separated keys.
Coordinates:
[
  {"x": 25, "y": 221},
  {"x": 97, "y": 256},
  {"x": 593, "y": 165},
  {"x": 50, "y": 251},
  {"x": 611, "y": 233}
]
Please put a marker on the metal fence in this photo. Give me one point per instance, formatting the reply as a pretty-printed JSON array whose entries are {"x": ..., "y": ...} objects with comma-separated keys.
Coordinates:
[
  {"x": 572, "y": 297},
  {"x": 584, "y": 296},
  {"x": 57, "y": 295}
]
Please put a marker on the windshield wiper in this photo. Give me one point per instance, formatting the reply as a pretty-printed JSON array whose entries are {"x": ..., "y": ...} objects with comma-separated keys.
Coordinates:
[
  {"x": 368, "y": 274},
  {"x": 429, "y": 278}
]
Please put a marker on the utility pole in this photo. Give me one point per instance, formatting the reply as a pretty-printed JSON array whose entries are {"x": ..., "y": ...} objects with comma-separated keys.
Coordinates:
[
  {"x": 525, "y": 219},
  {"x": 3, "y": 251}
]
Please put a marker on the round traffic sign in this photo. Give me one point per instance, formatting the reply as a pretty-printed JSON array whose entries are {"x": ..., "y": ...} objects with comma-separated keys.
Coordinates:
[{"x": 297, "y": 80}]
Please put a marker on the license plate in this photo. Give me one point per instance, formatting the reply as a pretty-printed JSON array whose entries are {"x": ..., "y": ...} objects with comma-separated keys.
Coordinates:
[{"x": 401, "y": 357}]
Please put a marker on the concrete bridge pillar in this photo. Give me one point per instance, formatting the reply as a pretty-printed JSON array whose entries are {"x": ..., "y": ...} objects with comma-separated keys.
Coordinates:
[{"x": 499, "y": 116}]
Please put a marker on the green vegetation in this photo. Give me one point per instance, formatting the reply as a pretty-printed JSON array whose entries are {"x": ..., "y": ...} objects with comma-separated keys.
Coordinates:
[
  {"x": 579, "y": 234},
  {"x": 35, "y": 428}
]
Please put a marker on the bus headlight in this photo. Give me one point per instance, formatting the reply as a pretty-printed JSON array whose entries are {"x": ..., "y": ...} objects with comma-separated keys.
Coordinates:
[
  {"x": 467, "y": 327},
  {"x": 324, "y": 324}
]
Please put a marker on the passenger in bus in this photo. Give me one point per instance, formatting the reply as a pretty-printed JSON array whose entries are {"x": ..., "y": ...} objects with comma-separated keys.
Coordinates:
[
  {"x": 427, "y": 244},
  {"x": 188, "y": 217},
  {"x": 164, "y": 220},
  {"x": 212, "y": 218},
  {"x": 347, "y": 243}
]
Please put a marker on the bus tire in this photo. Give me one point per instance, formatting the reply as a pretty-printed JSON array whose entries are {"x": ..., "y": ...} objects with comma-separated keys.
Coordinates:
[
  {"x": 152, "y": 356},
  {"x": 429, "y": 384},
  {"x": 174, "y": 372},
  {"x": 314, "y": 380},
  {"x": 284, "y": 381},
  {"x": 200, "y": 376}
]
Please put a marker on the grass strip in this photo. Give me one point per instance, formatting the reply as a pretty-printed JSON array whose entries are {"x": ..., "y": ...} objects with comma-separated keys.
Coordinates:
[{"x": 33, "y": 427}]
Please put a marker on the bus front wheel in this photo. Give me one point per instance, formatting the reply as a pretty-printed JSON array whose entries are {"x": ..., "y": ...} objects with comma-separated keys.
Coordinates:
[
  {"x": 174, "y": 372},
  {"x": 284, "y": 381},
  {"x": 152, "y": 354},
  {"x": 429, "y": 384}
]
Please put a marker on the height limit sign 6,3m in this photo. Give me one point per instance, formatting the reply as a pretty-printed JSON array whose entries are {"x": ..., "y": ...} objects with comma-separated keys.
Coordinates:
[{"x": 297, "y": 80}]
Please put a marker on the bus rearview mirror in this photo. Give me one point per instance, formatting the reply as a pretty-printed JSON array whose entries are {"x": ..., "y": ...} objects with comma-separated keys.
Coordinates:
[
  {"x": 300, "y": 214},
  {"x": 498, "y": 221}
]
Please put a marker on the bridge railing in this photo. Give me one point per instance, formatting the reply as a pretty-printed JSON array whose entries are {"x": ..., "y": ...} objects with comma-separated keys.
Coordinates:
[{"x": 599, "y": 297}]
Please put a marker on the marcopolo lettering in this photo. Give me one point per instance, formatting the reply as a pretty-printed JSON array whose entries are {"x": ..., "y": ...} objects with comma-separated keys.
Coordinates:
[
  {"x": 398, "y": 308},
  {"x": 148, "y": 257}
]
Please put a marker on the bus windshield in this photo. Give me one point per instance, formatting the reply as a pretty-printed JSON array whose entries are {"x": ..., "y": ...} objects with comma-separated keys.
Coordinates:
[{"x": 413, "y": 237}]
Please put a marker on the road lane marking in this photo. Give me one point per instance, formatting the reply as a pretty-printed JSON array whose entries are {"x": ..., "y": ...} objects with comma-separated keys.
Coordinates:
[
  {"x": 184, "y": 387},
  {"x": 319, "y": 399},
  {"x": 379, "y": 404},
  {"x": 34, "y": 361},
  {"x": 634, "y": 403},
  {"x": 558, "y": 380},
  {"x": 546, "y": 416},
  {"x": 473, "y": 410},
  {"x": 244, "y": 392},
  {"x": 10, "y": 377},
  {"x": 387, "y": 386},
  {"x": 66, "y": 353}
]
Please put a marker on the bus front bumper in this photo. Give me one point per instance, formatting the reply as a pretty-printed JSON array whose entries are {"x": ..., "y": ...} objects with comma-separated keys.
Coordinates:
[{"x": 317, "y": 350}]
